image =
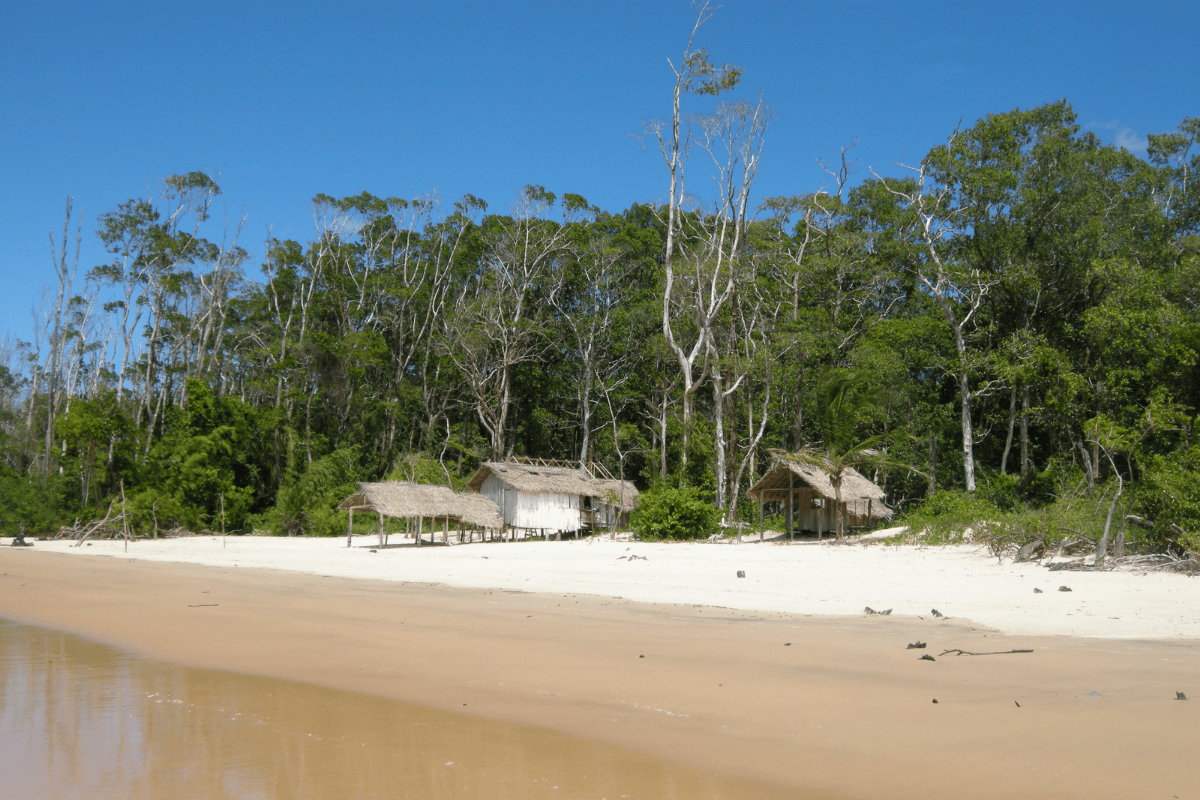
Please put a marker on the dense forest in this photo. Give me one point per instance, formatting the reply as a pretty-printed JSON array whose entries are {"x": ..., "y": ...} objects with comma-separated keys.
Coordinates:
[{"x": 1019, "y": 310}]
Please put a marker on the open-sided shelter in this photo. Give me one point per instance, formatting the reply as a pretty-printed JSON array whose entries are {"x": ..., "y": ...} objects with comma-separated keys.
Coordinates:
[
  {"x": 808, "y": 497},
  {"x": 554, "y": 498},
  {"x": 420, "y": 502}
]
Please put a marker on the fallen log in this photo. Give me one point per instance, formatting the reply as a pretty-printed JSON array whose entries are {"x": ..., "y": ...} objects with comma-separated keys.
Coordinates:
[{"x": 958, "y": 652}]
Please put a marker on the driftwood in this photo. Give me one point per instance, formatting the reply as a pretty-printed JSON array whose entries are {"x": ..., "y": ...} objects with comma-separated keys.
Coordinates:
[
  {"x": 1165, "y": 562},
  {"x": 958, "y": 652},
  {"x": 1027, "y": 553},
  {"x": 108, "y": 520}
]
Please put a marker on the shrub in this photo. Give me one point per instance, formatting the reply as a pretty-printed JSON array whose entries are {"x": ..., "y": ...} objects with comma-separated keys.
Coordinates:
[
  {"x": 945, "y": 517},
  {"x": 1169, "y": 496},
  {"x": 674, "y": 513},
  {"x": 307, "y": 506}
]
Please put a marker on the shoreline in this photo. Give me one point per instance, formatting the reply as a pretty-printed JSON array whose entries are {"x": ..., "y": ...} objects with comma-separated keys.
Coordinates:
[{"x": 828, "y": 705}]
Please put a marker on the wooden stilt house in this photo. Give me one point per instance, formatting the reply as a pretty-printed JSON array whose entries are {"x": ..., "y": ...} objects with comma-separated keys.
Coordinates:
[
  {"x": 553, "y": 498},
  {"x": 807, "y": 498}
]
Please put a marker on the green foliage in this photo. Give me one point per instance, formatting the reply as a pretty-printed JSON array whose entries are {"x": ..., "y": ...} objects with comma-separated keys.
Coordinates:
[
  {"x": 211, "y": 456},
  {"x": 674, "y": 514},
  {"x": 307, "y": 506},
  {"x": 945, "y": 517},
  {"x": 151, "y": 511},
  {"x": 1169, "y": 496},
  {"x": 26, "y": 502},
  {"x": 424, "y": 468}
]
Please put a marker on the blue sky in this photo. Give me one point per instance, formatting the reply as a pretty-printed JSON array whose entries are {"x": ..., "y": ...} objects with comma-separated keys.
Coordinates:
[{"x": 101, "y": 100}]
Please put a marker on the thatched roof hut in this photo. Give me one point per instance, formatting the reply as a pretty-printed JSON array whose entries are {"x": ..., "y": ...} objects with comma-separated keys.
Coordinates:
[
  {"x": 813, "y": 496},
  {"x": 553, "y": 497},
  {"x": 402, "y": 500}
]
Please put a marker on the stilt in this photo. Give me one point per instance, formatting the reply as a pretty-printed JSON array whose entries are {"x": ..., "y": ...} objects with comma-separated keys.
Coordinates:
[{"x": 791, "y": 522}]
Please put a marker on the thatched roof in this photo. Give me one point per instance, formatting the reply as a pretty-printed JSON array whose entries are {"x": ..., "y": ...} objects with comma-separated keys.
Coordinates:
[
  {"x": 411, "y": 500},
  {"x": 618, "y": 493},
  {"x": 540, "y": 479},
  {"x": 856, "y": 489}
]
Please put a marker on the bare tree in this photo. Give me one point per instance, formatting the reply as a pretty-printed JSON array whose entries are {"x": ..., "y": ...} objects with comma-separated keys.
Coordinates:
[
  {"x": 695, "y": 75},
  {"x": 496, "y": 325},
  {"x": 586, "y": 294},
  {"x": 65, "y": 273},
  {"x": 958, "y": 287}
]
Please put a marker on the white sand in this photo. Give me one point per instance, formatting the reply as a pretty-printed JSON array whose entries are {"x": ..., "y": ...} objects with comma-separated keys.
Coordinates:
[{"x": 961, "y": 581}]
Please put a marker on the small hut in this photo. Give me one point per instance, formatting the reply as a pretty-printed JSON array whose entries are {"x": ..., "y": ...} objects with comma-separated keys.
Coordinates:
[
  {"x": 420, "y": 502},
  {"x": 808, "y": 497},
  {"x": 552, "y": 497},
  {"x": 615, "y": 503}
]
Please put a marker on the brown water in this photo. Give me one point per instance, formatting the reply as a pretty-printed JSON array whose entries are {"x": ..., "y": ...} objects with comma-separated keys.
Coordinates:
[{"x": 83, "y": 720}]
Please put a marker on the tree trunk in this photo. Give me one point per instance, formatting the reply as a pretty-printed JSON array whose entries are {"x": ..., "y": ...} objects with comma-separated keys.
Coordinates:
[
  {"x": 719, "y": 437},
  {"x": 932, "y": 466},
  {"x": 1024, "y": 430},
  {"x": 1012, "y": 419},
  {"x": 968, "y": 432}
]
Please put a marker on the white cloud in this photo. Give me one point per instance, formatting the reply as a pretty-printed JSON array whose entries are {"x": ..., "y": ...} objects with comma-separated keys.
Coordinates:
[
  {"x": 1131, "y": 140},
  {"x": 1123, "y": 135}
]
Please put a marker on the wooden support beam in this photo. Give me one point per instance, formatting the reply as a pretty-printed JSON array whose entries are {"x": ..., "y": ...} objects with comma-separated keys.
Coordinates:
[{"x": 791, "y": 504}]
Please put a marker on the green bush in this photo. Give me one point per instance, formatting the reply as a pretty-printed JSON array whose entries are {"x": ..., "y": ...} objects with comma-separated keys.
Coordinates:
[
  {"x": 674, "y": 513},
  {"x": 30, "y": 503},
  {"x": 151, "y": 510},
  {"x": 1169, "y": 495},
  {"x": 307, "y": 506},
  {"x": 945, "y": 517}
]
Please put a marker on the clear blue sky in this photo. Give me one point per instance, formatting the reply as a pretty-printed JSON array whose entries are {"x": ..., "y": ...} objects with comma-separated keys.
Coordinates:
[{"x": 101, "y": 100}]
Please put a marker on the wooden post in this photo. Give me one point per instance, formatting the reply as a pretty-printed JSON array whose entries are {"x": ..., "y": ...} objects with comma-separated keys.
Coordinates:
[
  {"x": 222, "y": 516},
  {"x": 350, "y": 527},
  {"x": 761, "y": 521},
  {"x": 445, "y": 530},
  {"x": 420, "y": 525},
  {"x": 125, "y": 517},
  {"x": 381, "y": 529},
  {"x": 870, "y": 523},
  {"x": 791, "y": 521},
  {"x": 820, "y": 515}
]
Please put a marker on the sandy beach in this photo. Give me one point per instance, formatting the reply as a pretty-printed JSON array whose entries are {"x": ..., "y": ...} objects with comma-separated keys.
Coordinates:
[
  {"x": 962, "y": 582},
  {"x": 778, "y": 677}
]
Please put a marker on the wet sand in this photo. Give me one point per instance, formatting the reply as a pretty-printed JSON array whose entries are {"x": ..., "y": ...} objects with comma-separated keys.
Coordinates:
[
  {"x": 82, "y": 720},
  {"x": 820, "y": 706}
]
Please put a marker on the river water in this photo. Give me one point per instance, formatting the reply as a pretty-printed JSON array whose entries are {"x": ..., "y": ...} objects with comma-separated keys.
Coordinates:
[{"x": 83, "y": 720}]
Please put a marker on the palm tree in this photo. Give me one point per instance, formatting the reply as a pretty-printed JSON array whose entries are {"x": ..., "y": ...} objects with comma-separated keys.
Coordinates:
[{"x": 841, "y": 449}]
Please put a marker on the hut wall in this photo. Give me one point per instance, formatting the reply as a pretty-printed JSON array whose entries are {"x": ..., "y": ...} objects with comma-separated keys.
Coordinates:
[
  {"x": 551, "y": 512},
  {"x": 503, "y": 495}
]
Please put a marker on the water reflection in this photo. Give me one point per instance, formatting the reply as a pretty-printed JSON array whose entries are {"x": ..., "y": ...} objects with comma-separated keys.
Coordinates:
[{"x": 78, "y": 719}]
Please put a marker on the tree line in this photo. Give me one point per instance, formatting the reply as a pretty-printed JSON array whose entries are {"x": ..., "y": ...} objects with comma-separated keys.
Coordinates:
[{"x": 1021, "y": 303}]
